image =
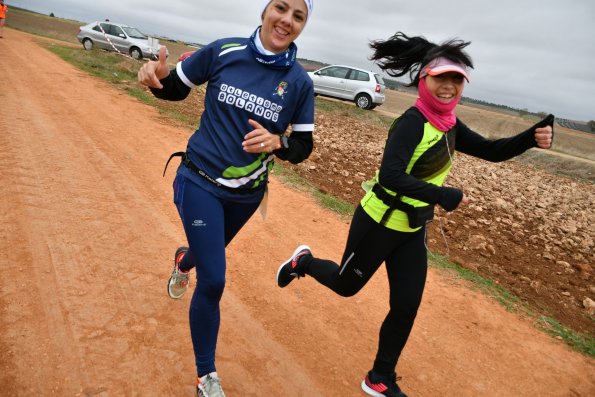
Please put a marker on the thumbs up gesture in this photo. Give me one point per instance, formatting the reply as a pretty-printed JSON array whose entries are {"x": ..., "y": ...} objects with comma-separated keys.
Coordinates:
[
  {"x": 544, "y": 137},
  {"x": 153, "y": 71}
]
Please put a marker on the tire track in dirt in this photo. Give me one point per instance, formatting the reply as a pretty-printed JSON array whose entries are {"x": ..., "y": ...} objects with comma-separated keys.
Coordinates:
[
  {"x": 88, "y": 231},
  {"x": 36, "y": 288}
]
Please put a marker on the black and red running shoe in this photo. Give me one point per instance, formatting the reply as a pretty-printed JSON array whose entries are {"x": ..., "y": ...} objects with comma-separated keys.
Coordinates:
[
  {"x": 382, "y": 386},
  {"x": 290, "y": 269}
]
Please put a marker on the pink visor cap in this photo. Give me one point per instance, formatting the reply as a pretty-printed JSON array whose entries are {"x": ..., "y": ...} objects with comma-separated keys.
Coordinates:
[{"x": 442, "y": 65}]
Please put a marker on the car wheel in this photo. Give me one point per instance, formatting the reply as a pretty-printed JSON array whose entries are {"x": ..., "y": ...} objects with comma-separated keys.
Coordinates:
[
  {"x": 136, "y": 53},
  {"x": 363, "y": 101},
  {"x": 87, "y": 44}
]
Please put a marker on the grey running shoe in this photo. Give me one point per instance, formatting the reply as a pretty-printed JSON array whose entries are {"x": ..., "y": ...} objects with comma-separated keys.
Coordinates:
[
  {"x": 289, "y": 269},
  {"x": 209, "y": 386},
  {"x": 179, "y": 281}
]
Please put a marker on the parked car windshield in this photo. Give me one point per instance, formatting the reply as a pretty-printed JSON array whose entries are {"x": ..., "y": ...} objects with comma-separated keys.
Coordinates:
[
  {"x": 134, "y": 33},
  {"x": 379, "y": 79}
]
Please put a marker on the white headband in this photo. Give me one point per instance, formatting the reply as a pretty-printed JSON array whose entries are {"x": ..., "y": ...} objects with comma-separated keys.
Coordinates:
[{"x": 309, "y": 6}]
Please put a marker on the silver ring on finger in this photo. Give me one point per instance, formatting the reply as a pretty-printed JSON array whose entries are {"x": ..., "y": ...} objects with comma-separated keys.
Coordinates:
[{"x": 261, "y": 144}]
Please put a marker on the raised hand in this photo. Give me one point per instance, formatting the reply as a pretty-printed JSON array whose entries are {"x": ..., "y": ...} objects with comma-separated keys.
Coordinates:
[
  {"x": 543, "y": 137},
  {"x": 153, "y": 71}
]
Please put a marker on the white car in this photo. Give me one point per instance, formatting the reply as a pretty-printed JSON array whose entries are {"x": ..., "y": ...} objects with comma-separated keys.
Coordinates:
[
  {"x": 361, "y": 86},
  {"x": 119, "y": 38}
]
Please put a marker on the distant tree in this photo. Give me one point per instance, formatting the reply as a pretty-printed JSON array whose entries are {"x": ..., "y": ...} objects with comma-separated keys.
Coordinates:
[
  {"x": 523, "y": 112},
  {"x": 542, "y": 114},
  {"x": 51, "y": 14},
  {"x": 591, "y": 125}
]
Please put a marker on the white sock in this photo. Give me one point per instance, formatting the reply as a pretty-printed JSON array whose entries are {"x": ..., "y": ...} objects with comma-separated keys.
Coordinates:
[{"x": 213, "y": 375}]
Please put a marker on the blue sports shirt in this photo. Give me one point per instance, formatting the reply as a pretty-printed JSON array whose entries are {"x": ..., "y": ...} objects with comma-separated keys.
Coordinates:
[{"x": 241, "y": 88}]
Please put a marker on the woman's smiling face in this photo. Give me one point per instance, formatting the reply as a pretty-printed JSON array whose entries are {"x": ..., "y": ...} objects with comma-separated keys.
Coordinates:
[
  {"x": 282, "y": 23},
  {"x": 446, "y": 86}
]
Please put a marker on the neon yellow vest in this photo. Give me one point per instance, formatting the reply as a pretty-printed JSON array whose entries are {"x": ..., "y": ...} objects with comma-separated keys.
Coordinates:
[{"x": 430, "y": 152}]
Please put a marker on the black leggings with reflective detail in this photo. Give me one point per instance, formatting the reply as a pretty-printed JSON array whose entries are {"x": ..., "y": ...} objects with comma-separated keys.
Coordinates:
[{"x": 368, "y": 245}]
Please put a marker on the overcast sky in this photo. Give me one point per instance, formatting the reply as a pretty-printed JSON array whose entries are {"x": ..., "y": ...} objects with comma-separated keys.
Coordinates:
[{"x": 533, "y": 54}]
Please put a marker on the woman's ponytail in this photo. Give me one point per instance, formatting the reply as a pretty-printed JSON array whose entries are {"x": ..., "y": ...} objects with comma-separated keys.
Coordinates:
[{"x": 402, "y": 54}]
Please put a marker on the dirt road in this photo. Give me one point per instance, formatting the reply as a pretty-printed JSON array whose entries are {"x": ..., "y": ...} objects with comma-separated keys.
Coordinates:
[{"x": 87, "y": 236}]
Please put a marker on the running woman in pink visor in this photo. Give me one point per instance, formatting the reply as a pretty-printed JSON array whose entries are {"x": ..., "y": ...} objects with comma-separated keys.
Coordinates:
[{"x": 389, "y": 225}]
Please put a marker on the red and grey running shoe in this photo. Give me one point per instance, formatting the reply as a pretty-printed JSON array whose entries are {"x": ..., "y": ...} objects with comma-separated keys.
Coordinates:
[
  {"x": 209, "y": 386},
  {"x": 179, "y": 280}
]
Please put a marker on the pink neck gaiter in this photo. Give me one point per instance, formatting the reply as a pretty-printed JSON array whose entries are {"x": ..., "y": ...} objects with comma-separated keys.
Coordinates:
[{"x": 440, "y": 115}]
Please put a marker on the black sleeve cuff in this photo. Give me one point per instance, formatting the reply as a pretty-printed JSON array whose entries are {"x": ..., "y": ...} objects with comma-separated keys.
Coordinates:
[
  {"x": 173, "y": 89},
  {"x": 301, "y": 145},
  {"x": 450, "y": 198}
]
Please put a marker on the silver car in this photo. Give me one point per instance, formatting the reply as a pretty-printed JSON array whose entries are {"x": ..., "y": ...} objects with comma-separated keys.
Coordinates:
[
  {"x": 119, "y": 38},
  {"x": 361, "y": 86}
]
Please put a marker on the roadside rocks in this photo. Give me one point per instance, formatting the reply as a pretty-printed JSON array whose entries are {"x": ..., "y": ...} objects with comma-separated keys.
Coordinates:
[
  {"x": 589, "y": 306},
  {"x": 553, "y": 212}
]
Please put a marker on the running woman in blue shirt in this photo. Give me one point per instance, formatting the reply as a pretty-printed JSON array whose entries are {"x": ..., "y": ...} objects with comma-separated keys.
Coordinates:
[{"x": 256, "y": 90}]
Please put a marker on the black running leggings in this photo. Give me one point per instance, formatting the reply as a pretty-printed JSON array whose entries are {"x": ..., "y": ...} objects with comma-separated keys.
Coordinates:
[{"x": 368, "y": 245}]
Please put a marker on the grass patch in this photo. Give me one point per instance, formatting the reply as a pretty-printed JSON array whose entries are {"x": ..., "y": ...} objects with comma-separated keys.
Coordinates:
[
  {"x": 580, "y": 343},
  {"x": 340, "y": 207},
  {"x": 291, "y": 178},
  {"x": 140, "y": 94},
  {"x": 108, "y": 66}
]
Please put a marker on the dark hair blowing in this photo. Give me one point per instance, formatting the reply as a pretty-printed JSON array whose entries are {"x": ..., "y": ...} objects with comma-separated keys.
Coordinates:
[{"x": 401, "y": 54}]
